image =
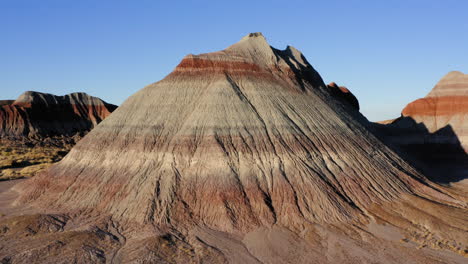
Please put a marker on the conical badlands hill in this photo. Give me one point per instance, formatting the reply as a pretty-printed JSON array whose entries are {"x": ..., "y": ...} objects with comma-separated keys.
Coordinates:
[
  {"x": 433, "y": 131},
  {"x": 446, "y": 104},
  {"x": 245, "y": 155}
]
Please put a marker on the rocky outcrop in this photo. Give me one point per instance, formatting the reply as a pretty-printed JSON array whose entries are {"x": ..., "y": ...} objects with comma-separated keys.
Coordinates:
[
  {"x": 345, "y": 94},
  {"x": 36, "y": 114},
  {"x": 244, "y": 156}
]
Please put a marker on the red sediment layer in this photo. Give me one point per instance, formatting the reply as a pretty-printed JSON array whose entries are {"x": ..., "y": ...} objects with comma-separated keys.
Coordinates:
[
  {"x": 198, "y": 64},
  {"x": 191, "y": 68},
  {"x": 437, "y": 106},
  {"x": 343, "y": 93},
  {"x": 344, "y": 89}
]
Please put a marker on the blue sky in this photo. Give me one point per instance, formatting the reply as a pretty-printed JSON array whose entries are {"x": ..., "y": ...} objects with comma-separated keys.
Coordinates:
[{"x": 387, "y": 53}]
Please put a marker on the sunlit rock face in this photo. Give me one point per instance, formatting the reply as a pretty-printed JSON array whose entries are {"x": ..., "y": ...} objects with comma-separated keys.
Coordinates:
[
  {"x": 36, "y": 114},
  {"x": 445, "y": 105},
  {"x": 432, "y": 132},
  {"x": 245, "y": 156}
]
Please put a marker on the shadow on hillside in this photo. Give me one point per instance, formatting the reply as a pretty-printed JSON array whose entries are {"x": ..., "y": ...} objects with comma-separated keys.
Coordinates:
[{"x": 439, "y": 155}]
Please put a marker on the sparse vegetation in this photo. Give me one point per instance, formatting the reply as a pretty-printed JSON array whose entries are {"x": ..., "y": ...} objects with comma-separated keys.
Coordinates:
[{"x": 20, "y": 159}]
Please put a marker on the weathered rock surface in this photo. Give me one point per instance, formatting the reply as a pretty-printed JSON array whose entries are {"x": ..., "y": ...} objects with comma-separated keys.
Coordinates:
[
  {"x": 242, "y": 156},
  {"x": 36, "y": 114}
]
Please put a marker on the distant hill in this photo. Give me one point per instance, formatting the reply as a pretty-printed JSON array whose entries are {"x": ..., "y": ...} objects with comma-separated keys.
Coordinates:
[
  {"x": 36, "y": 114},
  {"x": 38, "y": 129},
  {"x": 432, "y": 132}
]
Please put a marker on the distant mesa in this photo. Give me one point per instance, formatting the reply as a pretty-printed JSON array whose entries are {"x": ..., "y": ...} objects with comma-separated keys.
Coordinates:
[{"x": 36, "y": 114}]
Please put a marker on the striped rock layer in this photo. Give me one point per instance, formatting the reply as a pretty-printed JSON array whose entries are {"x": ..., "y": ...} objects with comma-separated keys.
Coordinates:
[
  {"x": 445, "y": 105},
  {"x": 228, "y": 147},
  {"x": 36, "y": 114},
  {"x": 432, "y": 131}
]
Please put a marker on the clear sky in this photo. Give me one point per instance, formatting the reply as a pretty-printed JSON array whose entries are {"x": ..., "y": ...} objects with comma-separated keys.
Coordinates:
[{"x": 387, "y": 52}]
